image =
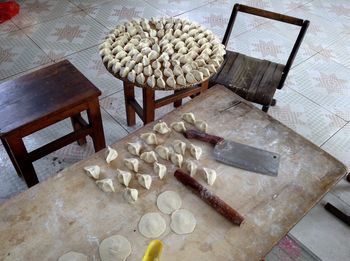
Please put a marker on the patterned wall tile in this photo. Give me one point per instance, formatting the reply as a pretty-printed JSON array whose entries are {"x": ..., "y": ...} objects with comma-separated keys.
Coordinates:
[
  {"x": 66, "y": 35},
  {"x": 305, "y": 117},
  {"x": 111, "y": 14},
  {"x": 38, "y": 11},
  {"x": 89, "y": 62},
  {"x": 18, "y": 53},
  {"x": 324, "y": 82}
]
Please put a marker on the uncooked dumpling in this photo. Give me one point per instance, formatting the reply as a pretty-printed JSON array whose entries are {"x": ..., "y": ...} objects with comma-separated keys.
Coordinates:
[
  {"x": 151, "y": 81},
  {"x": 123, "y": 177},
  {"x": 93, "y": 171},
  {"x": 201, "y": 125},
  {"x": 140, "y": 78},
  {"x": 149, "y": 137},
  {"x": 106, "y": 185},
  {"x": 176, "y": 159},
  {"x": 205, "y": 71},
  {"x": 168, "y": 202},
  {"x": 190, "y": 78},
  {"x": 161, "y": 127},
  {"x": 132, "y": 76},
  {"x": 147, "y": 70},
  {"x": 112, "y": 154},
  {"x": 191, "y": 167},
  {"x": 149, "y": 156},
  {"x": 182, "y": 222},
  {"x": 159, "y": 169},
  {"x": 160, "y": 83},
  {"x": 163, "y": 152},
  {"x": 179, "y": 147},
  {"x": 198, "y": 75},
  {"x": 209, "y": 175},
  {"x": 115, "y": 248},
  {"x": 130, "y": 195},
  {"x": 178, "y": 126},
  {"x": 188, "y": 117},
  {"x": 132, "y": 164},
  {"x": 195, "y": 151},
  {"x": 171, "y": 82},
  {"x": 134, "y": 148},
  {"x": 152, "y": 225},
  {"x": 144, "y": 180},
  {"x": 73, "y": 256},
  {"x": 181, "y": 80}
]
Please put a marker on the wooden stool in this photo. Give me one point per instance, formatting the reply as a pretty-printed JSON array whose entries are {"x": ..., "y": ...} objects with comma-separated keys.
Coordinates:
[
  {"x": 150, "y": 104},
  {"x": 40, "y": 99}
]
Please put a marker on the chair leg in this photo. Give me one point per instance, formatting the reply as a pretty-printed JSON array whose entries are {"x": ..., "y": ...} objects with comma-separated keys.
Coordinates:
[
  {"x": 265, "y": 108},
  {"x": 95, "y": 120},
  {"x": 177, "y": 103},
  {"x": 129, "y": 96},
  {"x": 273, "y": 102},
  {"x": 348, "y": 177},
  {"x": 338, "y": 213},
  {"x": 148, "y": 105},
  {"x": 77, "y": 124}
]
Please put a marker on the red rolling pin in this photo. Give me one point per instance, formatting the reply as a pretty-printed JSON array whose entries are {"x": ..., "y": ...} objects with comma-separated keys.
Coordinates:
[{"x": 211, "y": 199}]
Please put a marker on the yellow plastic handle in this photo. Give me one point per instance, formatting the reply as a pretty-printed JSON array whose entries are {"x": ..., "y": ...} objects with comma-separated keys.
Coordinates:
[{"x": 154, "y": 251}]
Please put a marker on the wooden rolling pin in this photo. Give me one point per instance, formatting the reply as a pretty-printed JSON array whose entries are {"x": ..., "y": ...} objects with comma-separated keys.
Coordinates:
[{"x": 211, "y": 199}]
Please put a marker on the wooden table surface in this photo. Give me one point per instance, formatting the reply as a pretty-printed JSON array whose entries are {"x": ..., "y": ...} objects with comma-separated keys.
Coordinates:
[{"x": 68, "y": 211}]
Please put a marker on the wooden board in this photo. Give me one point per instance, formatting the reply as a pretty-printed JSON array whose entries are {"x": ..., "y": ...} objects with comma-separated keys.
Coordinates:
[{"x": 68, "y": 212}]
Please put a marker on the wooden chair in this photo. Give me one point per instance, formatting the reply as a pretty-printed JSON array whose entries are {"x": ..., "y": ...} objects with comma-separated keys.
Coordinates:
[{"x": 254, "y": 79}]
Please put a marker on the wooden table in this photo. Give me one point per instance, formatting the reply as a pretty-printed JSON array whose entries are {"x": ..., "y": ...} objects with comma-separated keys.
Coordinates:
[{"x": 68, "y": 211}]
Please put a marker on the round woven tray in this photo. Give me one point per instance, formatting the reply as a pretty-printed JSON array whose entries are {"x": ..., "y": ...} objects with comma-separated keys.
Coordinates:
[{"x": 167, "y": 88}]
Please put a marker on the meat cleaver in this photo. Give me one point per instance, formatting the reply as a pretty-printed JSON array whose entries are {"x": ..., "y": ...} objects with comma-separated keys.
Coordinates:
[{"x": 239, "y": 155}]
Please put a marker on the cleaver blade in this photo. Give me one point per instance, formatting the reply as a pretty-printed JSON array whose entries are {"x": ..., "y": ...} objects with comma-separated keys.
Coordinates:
[{"x": 239, "y": 155}]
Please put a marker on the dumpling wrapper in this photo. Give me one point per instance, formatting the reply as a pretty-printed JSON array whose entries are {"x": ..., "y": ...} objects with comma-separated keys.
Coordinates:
[
  {"x": 182, "y": 222},
  {"x": 145, "y": 180},
  {"x": 161, "y": 127},
  {"x": 195, "y": 151},
  {"x": 150, "y": 138},
  {"x": 191, "y": 167},
  {"x": 115, "y": 248},
  {"x": 179, "y": 147},
  {"x": 163, "y": 152},
  {"x": 168, "y": 202},
  {"x": 152, "y": 225},
  {"x": 73, "y": 256},
  {"x": 149, "y": 156},
  {"x": 123, "y": 177},
  {"x": 93, "y": 171},
  {"x": 188, "y": 117},
  {"x": 134, "y": 148},
  {"x": 209, "y": 175},
  {"x": 178, "y": 126},
  {"x": 112, "y": 154},
  {"x": 201, "y": 125},
  {"x": 132, "y": 164},
  {"x": 105, "y": 185},
  {"x": 159, "y": 169},
  {"x": 176, "y": 159},
  {"x": 130, "y": 195}
]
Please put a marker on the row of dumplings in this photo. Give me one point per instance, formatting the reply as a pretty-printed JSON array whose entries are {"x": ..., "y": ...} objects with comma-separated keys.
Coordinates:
[{"x": 145, "y": 59}]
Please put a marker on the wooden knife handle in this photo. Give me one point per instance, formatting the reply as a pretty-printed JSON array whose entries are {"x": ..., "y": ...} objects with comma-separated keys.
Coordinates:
[
  {"x": 202, "y": 136},
  {"x": 211, "y": 199}
]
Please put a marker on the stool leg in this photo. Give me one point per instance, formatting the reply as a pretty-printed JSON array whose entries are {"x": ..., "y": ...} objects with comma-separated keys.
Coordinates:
[
  {"x": 13, "y": 160},
  {"x": 20, "y": 155},
  {"x": 177, "y": 103},
  {"x": 148, "y": 105},
  {"x": 204, "y": 86},
  {"x": 95, "y": 121},
  {"x": 77, "y": 124},
  {"x": 129, "y": 95}
]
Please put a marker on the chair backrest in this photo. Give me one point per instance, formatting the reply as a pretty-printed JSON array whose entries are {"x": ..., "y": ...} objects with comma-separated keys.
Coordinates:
[{"x": 274, "y": 16}]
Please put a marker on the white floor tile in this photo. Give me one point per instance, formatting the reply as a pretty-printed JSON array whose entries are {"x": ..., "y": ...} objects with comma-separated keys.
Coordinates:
[
  {"x": 176, "y": 7},
  {"x": 324, "y": 234},
  {"x": 89, "y": 63},
  {"x": 7, "y": 27},
  {"x": 18, "y": 53},
  {"x": 66, "y": 35}
]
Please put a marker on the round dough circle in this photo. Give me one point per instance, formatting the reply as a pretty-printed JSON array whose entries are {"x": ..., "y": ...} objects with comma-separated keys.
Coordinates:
[
  {"x": 73, "y": 256},
  {"x": 152, "y": 225},
  {"x": 168, "y": 202},
  {"x": 116, "y": 248},
  {"x": 182, "y": 222}
]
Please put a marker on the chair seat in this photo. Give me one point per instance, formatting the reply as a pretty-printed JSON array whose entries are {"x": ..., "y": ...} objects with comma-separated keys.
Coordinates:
[{"x": 253, "y": 79}]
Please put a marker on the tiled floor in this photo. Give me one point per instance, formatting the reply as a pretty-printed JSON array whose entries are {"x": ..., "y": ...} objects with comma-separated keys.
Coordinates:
[{"x": 314, "y": 101}]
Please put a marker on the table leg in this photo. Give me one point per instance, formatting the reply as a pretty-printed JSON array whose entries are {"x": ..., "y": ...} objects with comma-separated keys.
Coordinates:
[
  {"x": 129, "y": 95},
  {"x": 77, "y": 123},
  {"x": 22, "y": 163},
  {"x": 148, "y": 105},
  {"x": 177, "y": 103},
  {"x": 94, "y": 115}
]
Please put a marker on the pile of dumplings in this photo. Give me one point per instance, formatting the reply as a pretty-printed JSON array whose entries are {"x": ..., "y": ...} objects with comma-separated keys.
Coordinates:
[{"x": 164, "y": 54}]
